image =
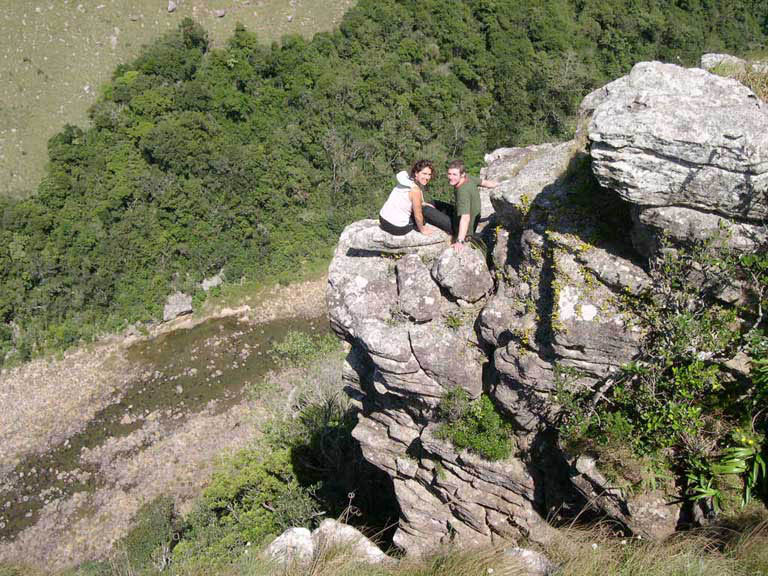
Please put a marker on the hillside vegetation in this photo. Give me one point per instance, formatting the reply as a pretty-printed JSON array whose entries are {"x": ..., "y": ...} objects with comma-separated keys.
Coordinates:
[
  {"x": 55, "y": 55},
  {"x": 251, "y": 158}
]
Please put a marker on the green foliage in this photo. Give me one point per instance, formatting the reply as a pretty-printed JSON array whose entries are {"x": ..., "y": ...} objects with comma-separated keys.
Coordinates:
[
  {"x": 255, "y": 496},
  {"x": 300, "y": 348},
  {"x": 474, "y": 425},
  {"x": 306, "y": 466},
  {"x": 681, "y": 397},
  {"x": 454, "y": 321},
  {"x": 147, "y": 547}
]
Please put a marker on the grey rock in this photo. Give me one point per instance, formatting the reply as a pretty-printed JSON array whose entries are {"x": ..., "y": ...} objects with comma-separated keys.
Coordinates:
[
  {"x": 177, "y": 304},
  {"x": 419, "y": 296},
  {"x": 360, "y": 285},
  {"x": 669, "y": 136},
  {"x": 730, "y": 64},
  {"x": 535, "y": 563},
  {"x": 504, "y": 315},
  {"x": 219, "y": 13},
  {"x": 463, "y": 273},
  {"x": 649, "y": 514},
  {"x": 447, "y": 357},
  {"x": 553, "y": 315},
  {"x": 684, "y": 226},
  {"x": 526, "y": 172},
  {"x": 332, "y": 533},
  {"x": 367, "y": 236},
  {"x": 171, "y": 6},
  {"x": 591, "y": 333},
  {"x": 212, "y": 282},
  {"x": 294, "y": 546}
]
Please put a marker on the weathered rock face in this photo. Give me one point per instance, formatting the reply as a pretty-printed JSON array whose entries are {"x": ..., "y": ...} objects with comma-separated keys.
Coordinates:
[
  {"x": 177, "y": 304},
  {"x": 671, "y": 141},
  {"x": 671, "y": 152},
  {"x": 463, "y": 273}
]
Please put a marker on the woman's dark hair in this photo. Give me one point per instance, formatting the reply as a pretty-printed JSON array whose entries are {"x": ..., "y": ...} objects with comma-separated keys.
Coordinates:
[{"x": 418, "y": 166}]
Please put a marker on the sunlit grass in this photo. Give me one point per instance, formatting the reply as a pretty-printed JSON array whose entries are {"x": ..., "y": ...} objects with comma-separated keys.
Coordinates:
[{"x": 54, "y": 56}]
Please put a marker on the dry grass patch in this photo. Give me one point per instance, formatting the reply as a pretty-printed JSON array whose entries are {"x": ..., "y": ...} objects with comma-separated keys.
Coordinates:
[{"x": 708, "y": 552}]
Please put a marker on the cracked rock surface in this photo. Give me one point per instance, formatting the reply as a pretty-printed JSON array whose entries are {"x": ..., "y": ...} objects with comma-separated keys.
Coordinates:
[{"x": 662, "y": 152}]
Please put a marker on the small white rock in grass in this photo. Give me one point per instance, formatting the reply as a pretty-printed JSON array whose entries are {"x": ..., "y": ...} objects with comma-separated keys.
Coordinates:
[
  {"x": 536, "y": 563},
  {"x": 171, "y": 6},
  {"x": 334, "y": 533},
  {"x": 295, "y": 545}
]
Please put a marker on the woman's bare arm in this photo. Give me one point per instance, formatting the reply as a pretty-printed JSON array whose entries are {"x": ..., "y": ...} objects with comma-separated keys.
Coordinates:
[{"x": 418, "y": 214}]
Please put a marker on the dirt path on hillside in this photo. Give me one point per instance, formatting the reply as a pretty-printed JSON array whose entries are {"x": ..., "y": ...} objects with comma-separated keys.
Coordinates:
[{"x": 45, "y": 403}]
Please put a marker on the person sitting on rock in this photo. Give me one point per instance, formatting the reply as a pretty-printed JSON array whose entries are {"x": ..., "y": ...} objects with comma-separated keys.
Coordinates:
[
  {"x": 405, "y": 209},
  {"x": 466, "y": 198}
]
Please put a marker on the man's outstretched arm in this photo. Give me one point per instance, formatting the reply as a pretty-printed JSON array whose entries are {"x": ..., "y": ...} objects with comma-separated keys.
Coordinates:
[{"x": 463, "y": 229}]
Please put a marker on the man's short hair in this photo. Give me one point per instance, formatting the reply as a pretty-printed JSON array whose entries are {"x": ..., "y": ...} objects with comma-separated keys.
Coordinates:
[{"x": 457, "y": 164}]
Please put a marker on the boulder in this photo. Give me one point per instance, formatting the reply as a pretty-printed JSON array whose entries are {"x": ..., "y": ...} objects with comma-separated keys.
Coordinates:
[
  {"x": 177, "y": 304},
  {"x": 670, "y": 136},
  {"x": 463, "y": 273},
  {"x": 419, "y": 296},
  {"x": 649, "y": 514},
  {"x": 212, "y": 282},
  {"x": 730, "y": 64},
  {"x": 332, "y": 533},
  {"x": 366, "y": 236},
  {"x": 525, "y": 173},
  {"x": 300, "y": 546},
  {"x": 295, "y": 545},
  {"x": 684, "y": 227},
  {"x": 535, "y": 563}
]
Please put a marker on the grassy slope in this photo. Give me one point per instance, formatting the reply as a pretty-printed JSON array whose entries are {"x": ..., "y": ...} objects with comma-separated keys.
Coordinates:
[{"x": 54, "y": 55}]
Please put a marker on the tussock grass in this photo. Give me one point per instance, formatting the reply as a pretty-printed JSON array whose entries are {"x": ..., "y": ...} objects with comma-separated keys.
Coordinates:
[
  {"x": 707, "y": 552},
  {"x": 755, "y": 80},
  {"x": 739, "y": 549},
  {"x": 592, "y": 552},
  {"x": 341, "y": 561}
]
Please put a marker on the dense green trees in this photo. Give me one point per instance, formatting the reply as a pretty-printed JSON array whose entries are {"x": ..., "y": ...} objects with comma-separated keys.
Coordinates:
[{"x": 252, "y": 158}]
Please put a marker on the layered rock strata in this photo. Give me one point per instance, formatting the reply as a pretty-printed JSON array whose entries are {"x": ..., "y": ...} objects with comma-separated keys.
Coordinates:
[{"x": 664, "y": 152}]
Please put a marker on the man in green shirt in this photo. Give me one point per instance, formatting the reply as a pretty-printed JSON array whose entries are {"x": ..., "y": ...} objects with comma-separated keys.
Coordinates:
[{"x": 466, "y": 201}]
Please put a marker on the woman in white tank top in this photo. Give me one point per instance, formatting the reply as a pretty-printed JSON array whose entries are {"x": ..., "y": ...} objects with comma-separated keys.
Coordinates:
[{"x": 402, "y": 212}]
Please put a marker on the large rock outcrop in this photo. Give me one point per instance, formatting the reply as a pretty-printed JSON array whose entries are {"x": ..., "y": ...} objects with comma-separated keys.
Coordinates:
[
  {"x": 687, "y": 148},
  {"x": 662, "y": 152}
]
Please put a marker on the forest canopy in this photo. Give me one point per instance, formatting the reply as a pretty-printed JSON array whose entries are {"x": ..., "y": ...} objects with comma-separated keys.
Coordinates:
[{"x": 251, "y": 159}]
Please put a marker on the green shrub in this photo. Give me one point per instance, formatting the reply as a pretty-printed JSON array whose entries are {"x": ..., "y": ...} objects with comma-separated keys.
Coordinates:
[
  {"x": 474, "y": 425},
  {"x": 255, "y": 496},
  {"x": 301, "y": 348},
  {"x": 147, "y": 547},
  {"x": 680, "y": 400}
]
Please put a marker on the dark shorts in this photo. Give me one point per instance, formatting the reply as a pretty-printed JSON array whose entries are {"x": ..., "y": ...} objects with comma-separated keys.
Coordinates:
[{"x": 390, "y": 228}]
